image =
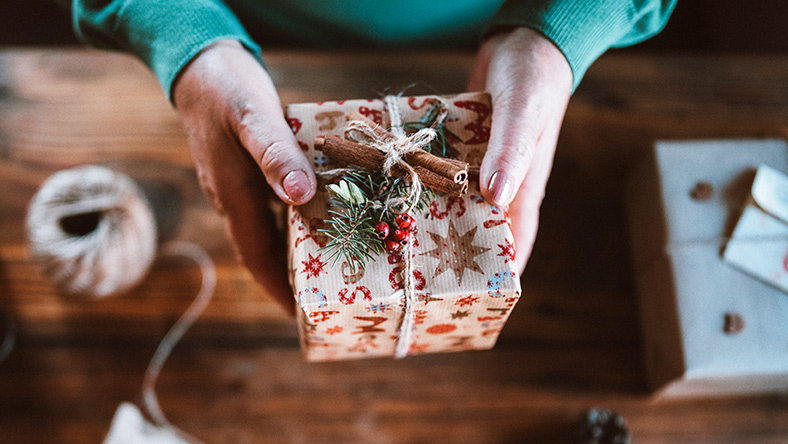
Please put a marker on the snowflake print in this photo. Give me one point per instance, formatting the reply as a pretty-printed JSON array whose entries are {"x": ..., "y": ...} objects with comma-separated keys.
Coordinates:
[
  {"x": 334, "y": 330},
  {"x": 507, "y": 251},
  {"x": 375, "y": 308},
  {"x": 313, "y": 267},
  {"x": 467, "y": 300}
]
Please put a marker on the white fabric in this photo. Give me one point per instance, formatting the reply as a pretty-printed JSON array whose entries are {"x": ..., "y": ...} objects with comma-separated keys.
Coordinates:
[{"x": 129, "y": 427}]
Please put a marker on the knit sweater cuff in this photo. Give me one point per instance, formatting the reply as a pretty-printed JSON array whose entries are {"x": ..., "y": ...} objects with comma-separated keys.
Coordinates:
[
  {"x": 165, "y": 35},
  {"x": 583, "y": 30}
]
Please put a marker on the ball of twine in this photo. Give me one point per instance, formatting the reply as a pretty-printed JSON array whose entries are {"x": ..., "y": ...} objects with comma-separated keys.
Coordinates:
[{"x": 92, "y": 231}]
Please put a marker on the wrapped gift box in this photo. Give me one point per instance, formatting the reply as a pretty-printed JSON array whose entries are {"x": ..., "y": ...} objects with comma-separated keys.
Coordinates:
[
  {"x": 759, "y": 243},
  {"x": 463, "y": 253},
  {"x": 709, "y": 327}
]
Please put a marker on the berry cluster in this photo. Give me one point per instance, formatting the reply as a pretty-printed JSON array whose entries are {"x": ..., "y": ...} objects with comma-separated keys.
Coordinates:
[{"x": 395, "y": 239}]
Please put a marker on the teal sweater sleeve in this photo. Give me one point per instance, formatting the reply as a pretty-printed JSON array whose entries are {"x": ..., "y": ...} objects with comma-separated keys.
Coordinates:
[
  {"x": 584, "y": 29},
  {"x": 165, "y": 34}
]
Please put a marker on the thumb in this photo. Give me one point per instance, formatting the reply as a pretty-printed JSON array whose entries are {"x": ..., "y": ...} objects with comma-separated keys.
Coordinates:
[
  {"x": 510, "y": 150},
  {"x": 530, "y": 82},
  {"x": 262, "y": 129}
]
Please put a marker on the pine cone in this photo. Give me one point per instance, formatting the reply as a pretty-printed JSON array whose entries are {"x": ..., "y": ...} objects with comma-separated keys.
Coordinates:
[{"x": 603, "y": 426}]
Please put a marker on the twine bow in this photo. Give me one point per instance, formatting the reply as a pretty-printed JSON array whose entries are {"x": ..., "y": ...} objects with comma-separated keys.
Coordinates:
[{"x": 395, "y": 148}]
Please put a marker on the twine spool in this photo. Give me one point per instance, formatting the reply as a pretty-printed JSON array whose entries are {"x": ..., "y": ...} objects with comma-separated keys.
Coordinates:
[{"x": 92, "y": 231}]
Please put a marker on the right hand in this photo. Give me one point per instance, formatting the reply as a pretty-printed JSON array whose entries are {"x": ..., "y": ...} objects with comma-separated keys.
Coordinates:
[
  {"x": 530, "y": 82},
  {"x": 244, "y": 150}
]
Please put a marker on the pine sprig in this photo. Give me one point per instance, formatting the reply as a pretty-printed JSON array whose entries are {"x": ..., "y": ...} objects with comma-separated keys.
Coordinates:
[
  {"x": 360, "y": 198},
  {"x": 440, "y": 145},
  {"x": 352, "y": 231},
  {"x": 378, "y": 186},
  {"x": 365, "y": 198}
]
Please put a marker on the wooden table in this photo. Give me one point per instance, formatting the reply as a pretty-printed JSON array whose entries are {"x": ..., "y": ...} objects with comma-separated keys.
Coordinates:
[{"x": 572, "y": 343}]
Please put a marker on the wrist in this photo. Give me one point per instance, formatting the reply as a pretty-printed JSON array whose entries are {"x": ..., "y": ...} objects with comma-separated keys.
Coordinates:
[
  {"x": 528, "y": 41},
  {"x": 529, "y": 53},
  {"x": 210, "y": 64}
]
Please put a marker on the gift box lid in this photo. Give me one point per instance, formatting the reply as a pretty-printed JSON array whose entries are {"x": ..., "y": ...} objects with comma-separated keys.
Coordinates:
[{"x": 718, "y": 164}]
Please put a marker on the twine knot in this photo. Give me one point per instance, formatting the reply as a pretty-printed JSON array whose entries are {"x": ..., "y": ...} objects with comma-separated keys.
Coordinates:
[{"x": 394, "y": 148}]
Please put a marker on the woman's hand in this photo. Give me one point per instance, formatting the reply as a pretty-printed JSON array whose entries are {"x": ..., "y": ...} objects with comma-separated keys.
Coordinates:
[
  {"x": 244, "y": 150},
  {"x": 530, "y": 82}
]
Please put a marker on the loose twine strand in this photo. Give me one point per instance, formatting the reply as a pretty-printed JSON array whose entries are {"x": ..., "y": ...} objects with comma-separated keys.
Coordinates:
[{"x": 176, "y": 332}]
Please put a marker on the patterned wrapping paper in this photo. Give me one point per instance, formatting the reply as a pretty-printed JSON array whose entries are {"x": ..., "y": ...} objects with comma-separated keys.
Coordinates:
[{"x": 463, "y": 253}]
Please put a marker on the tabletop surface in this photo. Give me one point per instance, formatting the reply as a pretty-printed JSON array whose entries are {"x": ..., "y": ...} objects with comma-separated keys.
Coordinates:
[{"x": 572, "y": 343}]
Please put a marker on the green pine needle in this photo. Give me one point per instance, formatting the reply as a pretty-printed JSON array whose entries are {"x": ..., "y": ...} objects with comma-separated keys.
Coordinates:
[
  {"x": 440, "y": 146},
  {"x": 360, "y": 196}
]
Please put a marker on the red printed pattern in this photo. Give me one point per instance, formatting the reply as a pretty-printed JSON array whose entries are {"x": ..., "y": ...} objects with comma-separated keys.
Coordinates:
[{"x": 481, "y": 133}]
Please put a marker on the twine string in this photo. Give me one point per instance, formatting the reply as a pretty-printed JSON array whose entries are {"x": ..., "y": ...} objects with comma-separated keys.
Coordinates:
[
  {"x": 405, "y": 338},
  {"x": 108, "y": 253},
  {"x": 416, "y": 141},
  {"x": 395, "y": 149},
  {"x": 176, "y": 332}
]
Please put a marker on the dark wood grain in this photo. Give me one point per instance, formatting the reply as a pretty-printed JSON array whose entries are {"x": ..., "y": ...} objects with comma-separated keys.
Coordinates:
[{"x": 572, "y": 343}]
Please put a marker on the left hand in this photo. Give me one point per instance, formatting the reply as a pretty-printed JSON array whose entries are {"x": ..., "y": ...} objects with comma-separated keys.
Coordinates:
[
  {"x": 244, "y": 152},
  {"x": 530, "y": 82}
]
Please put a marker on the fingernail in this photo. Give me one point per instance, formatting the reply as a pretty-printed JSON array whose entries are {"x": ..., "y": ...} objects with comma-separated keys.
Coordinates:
[
  {"x": 296, "y": 185},
  {"x": 500, "y": 188}
]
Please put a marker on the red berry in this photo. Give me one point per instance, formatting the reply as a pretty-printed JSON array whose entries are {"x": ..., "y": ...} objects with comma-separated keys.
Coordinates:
[
  {"x": 404, "y": 220},
  {"x": 392, "y": 245},
  {"x": 382, "y": 230},
  {"x": 412, "y": 226},
  {"x": 401, "y": 236}
]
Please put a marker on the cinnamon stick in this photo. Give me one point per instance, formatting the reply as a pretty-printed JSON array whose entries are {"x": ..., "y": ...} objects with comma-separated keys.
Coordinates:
[
  {"x": 449, "y": 168},
  {"x": 466, "y": 167},
  {"x": 349, "y": 152},
  {"x": 440, "y": 183},
  {"x": 452, "y": 169},
  {"x": 368, "y": 158},
  {"x": 473, "y": 173}
]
